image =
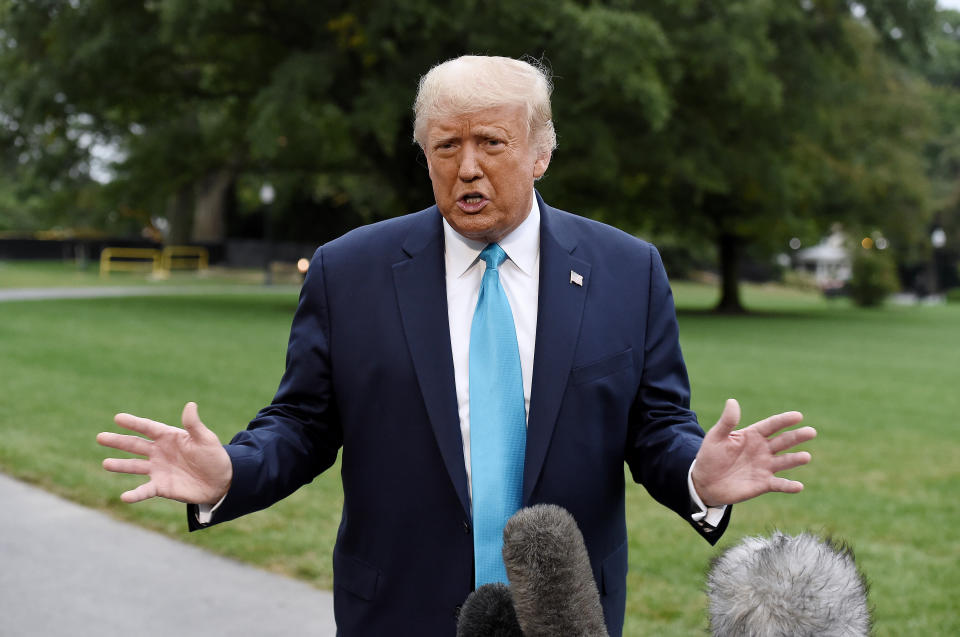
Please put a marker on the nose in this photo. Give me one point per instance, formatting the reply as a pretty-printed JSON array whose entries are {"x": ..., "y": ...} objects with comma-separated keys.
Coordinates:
[{"x": 470, "y": 169}]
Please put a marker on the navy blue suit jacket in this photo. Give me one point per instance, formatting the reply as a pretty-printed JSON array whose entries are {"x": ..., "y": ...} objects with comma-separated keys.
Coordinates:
[{"x": 370, "y": 371}]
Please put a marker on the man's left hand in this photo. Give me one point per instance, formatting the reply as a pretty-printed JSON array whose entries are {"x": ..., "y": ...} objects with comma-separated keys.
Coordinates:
[{"x": 733, "y": 466}]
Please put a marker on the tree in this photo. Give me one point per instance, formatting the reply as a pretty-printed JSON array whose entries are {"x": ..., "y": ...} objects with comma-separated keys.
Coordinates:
[
  {"x": 785, "y": 116},
  {"x": 739, "y": 123},
  {"x": 942, "y": 69}
]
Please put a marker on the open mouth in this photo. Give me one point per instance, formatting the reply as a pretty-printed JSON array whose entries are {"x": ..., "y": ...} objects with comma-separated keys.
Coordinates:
[{"x": 471, "y": 202}]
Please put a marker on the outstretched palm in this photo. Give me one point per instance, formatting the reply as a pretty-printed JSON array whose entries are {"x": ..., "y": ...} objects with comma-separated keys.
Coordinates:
[
  {"x": 733, "y": 466},
  {"x": 188, "y": 465}
]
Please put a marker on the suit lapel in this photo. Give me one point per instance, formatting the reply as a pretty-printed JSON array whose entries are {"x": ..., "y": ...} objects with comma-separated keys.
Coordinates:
[
  {"x": 558, "y": 323},
  {"x": 422, "y": 296}
]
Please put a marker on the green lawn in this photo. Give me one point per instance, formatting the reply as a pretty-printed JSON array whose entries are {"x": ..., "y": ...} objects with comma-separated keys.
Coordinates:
[{"x": 880, "y": 386}]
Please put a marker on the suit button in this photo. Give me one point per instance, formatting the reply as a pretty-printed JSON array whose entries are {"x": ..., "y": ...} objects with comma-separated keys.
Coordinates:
[{"x": 466, "y": 527}]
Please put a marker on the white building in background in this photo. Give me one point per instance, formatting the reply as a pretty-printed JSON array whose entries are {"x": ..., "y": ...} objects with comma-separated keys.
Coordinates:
[{"x": 828, "y": 262}]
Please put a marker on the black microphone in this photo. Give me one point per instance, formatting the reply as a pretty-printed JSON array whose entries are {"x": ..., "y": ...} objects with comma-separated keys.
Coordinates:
[
  {"x": 551, "y": 581},
  {"x": 488, "y": 612},
  {"x": 788, "y": 585}
]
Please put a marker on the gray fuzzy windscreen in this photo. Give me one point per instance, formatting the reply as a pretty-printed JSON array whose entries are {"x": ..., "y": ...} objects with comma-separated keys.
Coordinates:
[
  {"x": 788, "y": 586},
  {"x": 550, "y": 576}
]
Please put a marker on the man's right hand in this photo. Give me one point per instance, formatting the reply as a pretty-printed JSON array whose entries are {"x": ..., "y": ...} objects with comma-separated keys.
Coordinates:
[{"x": 189, "y": 465}]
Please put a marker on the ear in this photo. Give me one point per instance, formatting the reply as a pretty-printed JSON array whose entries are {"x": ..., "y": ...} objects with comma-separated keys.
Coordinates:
[{"x": 541, "y": 163}]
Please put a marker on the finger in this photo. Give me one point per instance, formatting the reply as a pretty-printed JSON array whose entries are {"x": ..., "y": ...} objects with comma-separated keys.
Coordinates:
[
  {"x": 782, "y": 485},
  {"x": 127, "y": 465},
  {"x": 790, "y": 461},
  {"x": 191, "y": 421},
  {"x": 145, "y": 426},
  {"x": 769, "y": 426},
  {"x": 123, "y": 442},
  {"x": 143, "y": 492},
  {"x": 789, "y": 439},
  {"x": 729, "y": 419}
]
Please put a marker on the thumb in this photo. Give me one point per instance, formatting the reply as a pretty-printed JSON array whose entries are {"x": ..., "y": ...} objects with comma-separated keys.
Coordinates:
[
  {"x": 729, "y": 419},
  {"x": 191, "y": 421}
]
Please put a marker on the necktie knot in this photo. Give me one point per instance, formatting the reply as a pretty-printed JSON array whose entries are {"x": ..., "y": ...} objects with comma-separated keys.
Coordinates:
[{"x": 493, "y": 255}]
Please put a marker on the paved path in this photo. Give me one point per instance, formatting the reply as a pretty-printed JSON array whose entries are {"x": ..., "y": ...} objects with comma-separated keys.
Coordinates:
[
  {"x": 68, "y": 570},
  {"x": 37, "y": 294}
]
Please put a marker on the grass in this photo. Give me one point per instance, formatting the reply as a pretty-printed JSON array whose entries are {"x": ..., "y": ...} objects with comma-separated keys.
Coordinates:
[
  {"x": 880, "y": 386},
  {"x": 68, "y": 366}
]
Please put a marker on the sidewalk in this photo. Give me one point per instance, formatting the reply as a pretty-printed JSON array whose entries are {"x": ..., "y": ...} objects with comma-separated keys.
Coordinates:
[
  {"x": 39, "y": 294},
  {"x": 69, "y": 570}
]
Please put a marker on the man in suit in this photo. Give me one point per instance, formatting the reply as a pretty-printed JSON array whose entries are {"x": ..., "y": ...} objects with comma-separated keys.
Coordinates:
[{"x": 382, "y": 365}]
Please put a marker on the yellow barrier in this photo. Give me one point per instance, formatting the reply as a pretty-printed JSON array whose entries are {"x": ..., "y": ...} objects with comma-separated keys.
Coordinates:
[
  {"x": 131, "y": 260},
  {"x": 159, "y": 262},
  {"x": 184, "y": 258}
]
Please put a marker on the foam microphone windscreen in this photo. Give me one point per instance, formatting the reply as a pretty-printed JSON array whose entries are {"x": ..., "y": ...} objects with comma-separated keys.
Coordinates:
[
  {"x": 488, "y": 612},
  {"x": 788, "y": 585},
  {"x": 550, "y": 576}
]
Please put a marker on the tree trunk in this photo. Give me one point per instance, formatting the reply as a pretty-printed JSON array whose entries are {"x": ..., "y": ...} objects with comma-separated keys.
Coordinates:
[
  {"x": 730, "y": 249},
  {"x": 209, "y": 218},
  {"x": 180, "y": 215}
]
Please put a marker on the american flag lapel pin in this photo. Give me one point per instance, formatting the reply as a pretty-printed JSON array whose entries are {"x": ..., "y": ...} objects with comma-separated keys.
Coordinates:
[{"x": 576, "y": 278}]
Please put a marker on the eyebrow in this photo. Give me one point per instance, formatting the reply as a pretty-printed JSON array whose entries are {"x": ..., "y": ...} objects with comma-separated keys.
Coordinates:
[
  {"x": 491, "y": 130},
  {"x": 479, "y": 131},
  {"x": 444, "y": 139}
]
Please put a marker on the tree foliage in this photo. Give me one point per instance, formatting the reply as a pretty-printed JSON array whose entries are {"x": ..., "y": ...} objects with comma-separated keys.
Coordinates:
[
  {"x": 874, "y": 278},
  {"x": 942, "y": 70},
  {"x": 718, "y": 123}
]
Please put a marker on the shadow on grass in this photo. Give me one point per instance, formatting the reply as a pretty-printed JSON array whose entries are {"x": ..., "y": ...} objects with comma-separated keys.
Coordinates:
[{"x": 799, "y": 313}]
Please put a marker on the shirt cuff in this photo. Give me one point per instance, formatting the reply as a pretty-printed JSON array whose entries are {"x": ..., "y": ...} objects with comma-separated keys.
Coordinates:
[
  {"x": 705, "y": 516},
  {"x": 205, "y": 511}
]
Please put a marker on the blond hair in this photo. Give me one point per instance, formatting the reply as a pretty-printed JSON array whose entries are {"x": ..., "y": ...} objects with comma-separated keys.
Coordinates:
[{"x": 473, "y": 83}]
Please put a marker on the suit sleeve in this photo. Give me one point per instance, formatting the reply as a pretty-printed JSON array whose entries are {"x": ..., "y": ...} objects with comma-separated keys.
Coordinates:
[
  {"x": 298, "y": 435},
  {"x": 664, "y": 435}
]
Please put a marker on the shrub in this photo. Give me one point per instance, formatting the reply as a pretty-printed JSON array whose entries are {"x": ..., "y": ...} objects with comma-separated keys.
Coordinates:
[
  {"x": 800, "y": 280},
  {"x": 874, "y": 278}
]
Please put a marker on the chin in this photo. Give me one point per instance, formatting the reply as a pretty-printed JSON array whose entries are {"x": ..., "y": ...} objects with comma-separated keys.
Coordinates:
[{"x": 475, "y": 227}]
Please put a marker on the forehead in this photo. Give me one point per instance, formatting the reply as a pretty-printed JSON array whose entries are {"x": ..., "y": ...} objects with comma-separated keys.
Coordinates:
[{"x": 509, "y": 118}]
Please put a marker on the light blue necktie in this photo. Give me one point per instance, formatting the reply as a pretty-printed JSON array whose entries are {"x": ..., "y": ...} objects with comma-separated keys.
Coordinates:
[{"x": 498, "y": 426}]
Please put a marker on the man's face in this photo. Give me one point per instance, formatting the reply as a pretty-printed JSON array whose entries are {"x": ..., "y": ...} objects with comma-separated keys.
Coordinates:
[{"x": 482, "y": 166}]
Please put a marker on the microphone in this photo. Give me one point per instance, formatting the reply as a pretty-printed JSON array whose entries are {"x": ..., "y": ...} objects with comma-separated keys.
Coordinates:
[
  {"x": 788, "y": 585},
  {"x": 551, "y": 581},
  {"x": 488, "y": 612},
  {"x": 551, "y": 591}
]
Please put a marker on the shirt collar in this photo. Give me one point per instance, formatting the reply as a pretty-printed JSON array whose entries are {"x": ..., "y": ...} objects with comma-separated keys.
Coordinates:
[{"x": 522, "y": 245}]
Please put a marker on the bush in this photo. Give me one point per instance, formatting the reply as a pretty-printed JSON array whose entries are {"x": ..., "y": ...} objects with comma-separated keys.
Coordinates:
[
  {"x": 800, "y": 280},
  {"x": 874, "y": 278}
]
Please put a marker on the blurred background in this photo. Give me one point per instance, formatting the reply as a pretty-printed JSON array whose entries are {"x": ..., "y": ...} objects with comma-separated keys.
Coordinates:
[
  {"x": 737, "y": 135},
  {"x": 795, "y": 161}
]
